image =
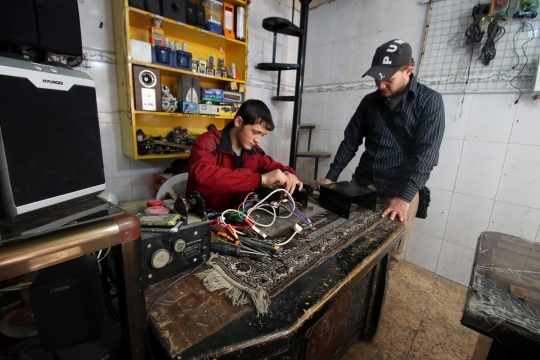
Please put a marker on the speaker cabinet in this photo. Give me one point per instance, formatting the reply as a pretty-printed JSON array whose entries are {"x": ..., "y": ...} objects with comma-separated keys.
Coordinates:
[
  {"x": 19, "y": 28},
  {"x": 139, "y": 4},
  {"x": 174, "y": 9},
  {"x": 184, "y": 89},
  {"x": 62, "y": 121},
  {"x": 201, "y": 16},
  {"x": 191, "y": 16},
  {"x": 59, "y": 27},
  {"x": 196, "y": 86},
  {"x": 147, "y": 86},
  {"x": 153, "y": 6},
  {"x": 105, "y": 347},
  {"x": 68, "y": 302}
]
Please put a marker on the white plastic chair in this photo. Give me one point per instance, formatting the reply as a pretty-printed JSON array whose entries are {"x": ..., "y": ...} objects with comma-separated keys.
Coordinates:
[{"x": 174, "y": 187}]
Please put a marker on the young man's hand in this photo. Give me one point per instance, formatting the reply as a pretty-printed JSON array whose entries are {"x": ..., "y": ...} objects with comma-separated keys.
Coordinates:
[
  {"x": 323, "y": 182},
  {"x": 397, "y": 207},
  {"x": 280, "y": 178},
  {"x": 292, "y": 181}
]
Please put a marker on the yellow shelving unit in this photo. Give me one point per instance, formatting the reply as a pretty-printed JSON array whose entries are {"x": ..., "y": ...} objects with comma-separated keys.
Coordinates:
[{"x": 132, "y": 23}]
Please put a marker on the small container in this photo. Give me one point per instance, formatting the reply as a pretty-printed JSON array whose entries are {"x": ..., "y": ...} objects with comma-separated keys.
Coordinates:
[
  {"x": 240, "y": 23},
  {"x": 163, "y": 55},
  {"x": 214, "y": 15}
]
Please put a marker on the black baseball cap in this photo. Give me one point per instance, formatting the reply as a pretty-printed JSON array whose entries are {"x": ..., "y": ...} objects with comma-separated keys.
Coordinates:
[{"x": 389, "y": 58}]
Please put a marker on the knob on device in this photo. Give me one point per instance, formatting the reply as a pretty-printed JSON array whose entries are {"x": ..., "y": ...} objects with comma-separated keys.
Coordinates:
[{"x": 165, "y": 254}]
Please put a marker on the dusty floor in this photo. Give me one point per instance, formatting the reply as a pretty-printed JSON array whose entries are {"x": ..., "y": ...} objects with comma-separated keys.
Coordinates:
[{"x": 420, "y": 320}]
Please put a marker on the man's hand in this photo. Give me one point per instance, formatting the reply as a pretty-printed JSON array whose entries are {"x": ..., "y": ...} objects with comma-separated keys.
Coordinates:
[
  {"x": 273, "y": 178},
  {"x": 397, "y": 207},
  {"x": 323, "y": 182},
  {"x": 292, "y": 181},
  {"x": 280, "y": 178}
]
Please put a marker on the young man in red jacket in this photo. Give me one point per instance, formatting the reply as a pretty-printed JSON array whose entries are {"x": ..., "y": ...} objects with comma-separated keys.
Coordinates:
[{"x": 225, "y": 165}]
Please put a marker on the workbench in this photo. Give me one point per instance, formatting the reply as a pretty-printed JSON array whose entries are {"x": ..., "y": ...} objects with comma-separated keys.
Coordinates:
[
  {"x": 318, "y": 316},
  {"x": 503, "y": 299}
]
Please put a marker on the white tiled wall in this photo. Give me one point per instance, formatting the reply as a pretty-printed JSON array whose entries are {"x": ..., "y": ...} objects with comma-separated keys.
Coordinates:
[
  {"x": 133, "y": 180},
  {"x": 489, "y": 166}
]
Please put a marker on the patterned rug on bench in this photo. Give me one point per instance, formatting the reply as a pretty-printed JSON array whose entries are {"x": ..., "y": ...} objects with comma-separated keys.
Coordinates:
[{"x": 245, "y": 280}]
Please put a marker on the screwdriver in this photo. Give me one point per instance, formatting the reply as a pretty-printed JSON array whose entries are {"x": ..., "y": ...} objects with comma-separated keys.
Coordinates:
[
  {"x": 274, "y": 249},
  {"x": 228, "y": 249}
]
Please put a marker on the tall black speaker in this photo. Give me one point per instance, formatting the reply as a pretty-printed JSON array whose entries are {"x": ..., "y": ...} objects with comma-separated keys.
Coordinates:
[
  {"x": 191, "y": 16},
  {"x": 174, "y": 9},
  {"x": 62, "y": 122},
  {"x": 19, "y": 28},
  {"x": 59, "y": 27},
  {"x": 67, "y": 300},
  {"x": 201, "y": 15},
  {"x": 153, "y": 6}
]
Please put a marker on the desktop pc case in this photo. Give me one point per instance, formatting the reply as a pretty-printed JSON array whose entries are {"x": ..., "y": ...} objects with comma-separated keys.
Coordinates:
[{"x": 50, "y": 145}]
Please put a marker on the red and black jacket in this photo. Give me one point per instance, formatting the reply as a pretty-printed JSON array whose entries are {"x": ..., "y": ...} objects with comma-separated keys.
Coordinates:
[{"x": 213, "y": 172}]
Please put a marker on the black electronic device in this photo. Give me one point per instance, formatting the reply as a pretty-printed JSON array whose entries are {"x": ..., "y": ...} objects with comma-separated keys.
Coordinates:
[
  {"x": 300, "y": 197},
  {"x": 107, "y": 346},
  {"x": 191, "y": 16},
  {"x": 167, "y": 254},
  {"x": 200, "y": 14},
  {"x": 59, "y": 27},
  {"x": 153, "y": 6},
  {"x": 139, "y": 4},
  {"x": 19, "y": 28},
  {"x": 338, "y": 197},
  {"x": 62, "y": 122},
  {"x": 67, "y": 301},
  {"x": 174, "y": 9},
  {"x": 265, "y": 191},
  {"x": 185, "y": 88}
]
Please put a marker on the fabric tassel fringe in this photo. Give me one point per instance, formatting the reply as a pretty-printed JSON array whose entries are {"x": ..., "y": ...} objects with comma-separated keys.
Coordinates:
[{"x": 215, "y": 279}]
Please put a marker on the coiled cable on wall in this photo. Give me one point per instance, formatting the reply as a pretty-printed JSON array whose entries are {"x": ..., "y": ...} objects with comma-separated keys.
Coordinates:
[{"x": 494, "y": 33}]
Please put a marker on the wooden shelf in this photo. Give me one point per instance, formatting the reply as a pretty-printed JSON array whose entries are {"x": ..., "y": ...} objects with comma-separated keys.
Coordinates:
[
  {"x": 160, "y": 113},
  {"x": 134, "y": 24},
  {"x": 190, "y": 27},
  {"x": 186, "y": 72},
  {"x": 165, "y": 156}
]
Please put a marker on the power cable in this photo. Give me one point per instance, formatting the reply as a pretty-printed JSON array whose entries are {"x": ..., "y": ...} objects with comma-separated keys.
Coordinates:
[
  {"x": 494, "y": 33},
  {"x": 526, "y": 59}
]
